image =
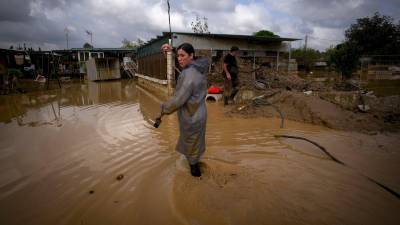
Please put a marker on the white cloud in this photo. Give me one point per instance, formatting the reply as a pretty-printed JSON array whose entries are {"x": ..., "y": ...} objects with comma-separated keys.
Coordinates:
[
  {"x": 158, "y": 18},
  {"x": 243, "y": 19},
  {"x": 326, "y": 21},
  {"x": 208, "y": 5},
  {"x": 324, "y": 37},
  {"x": 42, "y": 22},
  {"x": 248, "y": 17},
  {"x": 46, "y": 45}
]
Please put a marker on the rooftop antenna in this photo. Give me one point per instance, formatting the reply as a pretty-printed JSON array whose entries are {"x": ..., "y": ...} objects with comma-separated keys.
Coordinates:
[{"x": 66, "y": 30}]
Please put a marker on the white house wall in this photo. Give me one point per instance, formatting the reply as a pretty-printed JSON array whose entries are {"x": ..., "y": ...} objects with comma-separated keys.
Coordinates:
[{"x": 200, "y": 42}]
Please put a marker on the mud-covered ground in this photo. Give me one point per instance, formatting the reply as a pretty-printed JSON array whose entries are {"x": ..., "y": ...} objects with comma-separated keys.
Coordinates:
[
  {"x": 333, "y": 103},
  {"x": 88, "y": 154},
  {"x": 322, "y": 109}
]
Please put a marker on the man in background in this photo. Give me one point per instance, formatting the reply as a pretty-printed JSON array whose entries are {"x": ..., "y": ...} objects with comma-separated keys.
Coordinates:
[{"x": 231, "y": 72}]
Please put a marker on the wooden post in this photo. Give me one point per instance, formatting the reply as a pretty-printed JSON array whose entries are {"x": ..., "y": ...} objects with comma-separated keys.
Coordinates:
[
  {"x": 277, "y": 61},
  {"x": 254, "y": 66},
  {"x": 170, "y": 72},
  {"x": 290, "y": 56}
]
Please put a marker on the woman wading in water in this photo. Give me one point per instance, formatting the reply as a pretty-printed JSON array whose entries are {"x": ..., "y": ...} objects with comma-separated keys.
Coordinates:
[{"x": 189, "y": 102}]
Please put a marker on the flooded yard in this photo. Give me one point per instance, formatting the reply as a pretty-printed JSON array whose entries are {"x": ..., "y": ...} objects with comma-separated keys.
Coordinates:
[{"x": 88, "y": 154}]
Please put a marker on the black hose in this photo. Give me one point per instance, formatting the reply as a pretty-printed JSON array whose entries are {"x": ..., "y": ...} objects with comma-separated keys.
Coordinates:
[
  {"x": 315, "y": 143},
  {"x": 386, "y": 188},
  {"x": 262, "y": 101}
]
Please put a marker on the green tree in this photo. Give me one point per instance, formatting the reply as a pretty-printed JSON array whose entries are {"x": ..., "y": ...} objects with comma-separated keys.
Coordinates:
[
  {"x": 344, "y": 58},
  {"x": 127, "y": 43},
  {"x": 139, "y": 42},
  {"x": 15, "y": 72},
  {"x": 265, "y": 33},
  {"x": 87, "y": 46},
  {"x": 306, "y": 57},
  {"x": 377, "y": 35},
  {"x": 132, "y": 44},
  {"x": 200, "y": 26}
]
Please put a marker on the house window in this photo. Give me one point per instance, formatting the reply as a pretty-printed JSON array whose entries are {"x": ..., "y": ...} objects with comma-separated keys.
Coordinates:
[{"x": 94, "y": 55}]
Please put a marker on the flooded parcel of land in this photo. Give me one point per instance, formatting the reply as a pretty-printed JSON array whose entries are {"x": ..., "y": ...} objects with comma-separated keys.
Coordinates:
[{"x": 88, "y": 154}]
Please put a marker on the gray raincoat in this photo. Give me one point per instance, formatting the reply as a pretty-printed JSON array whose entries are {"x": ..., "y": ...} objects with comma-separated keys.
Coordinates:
[{"x": 189, "y": 101}]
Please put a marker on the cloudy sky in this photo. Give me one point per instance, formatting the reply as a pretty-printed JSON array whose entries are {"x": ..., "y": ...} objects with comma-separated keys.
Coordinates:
[{"x": 43, "y": 22}]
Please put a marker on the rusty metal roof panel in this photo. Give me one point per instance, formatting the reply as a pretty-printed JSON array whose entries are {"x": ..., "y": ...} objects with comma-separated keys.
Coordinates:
[{"x": 237, "y": 36}]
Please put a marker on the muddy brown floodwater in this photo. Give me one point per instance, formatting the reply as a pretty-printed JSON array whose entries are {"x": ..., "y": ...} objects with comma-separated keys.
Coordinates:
[{"x": 87, "y": 154}]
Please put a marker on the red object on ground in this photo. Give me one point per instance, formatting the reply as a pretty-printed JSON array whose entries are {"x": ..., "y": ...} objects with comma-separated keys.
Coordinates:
[{"x": 214, "y": 90}]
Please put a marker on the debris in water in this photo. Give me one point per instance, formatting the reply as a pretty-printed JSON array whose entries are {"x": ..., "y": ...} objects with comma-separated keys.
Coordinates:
[
  {"x": 364, "y": 108},
  {"x": 242, "y": 107},
  {"x": 120, "y": 177}
]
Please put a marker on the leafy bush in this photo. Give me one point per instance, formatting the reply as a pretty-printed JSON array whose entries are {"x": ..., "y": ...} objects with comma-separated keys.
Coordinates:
[{"x": 15, "y": 72}]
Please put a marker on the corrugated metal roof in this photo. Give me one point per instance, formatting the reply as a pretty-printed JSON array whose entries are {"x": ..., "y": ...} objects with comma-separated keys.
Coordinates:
[
  {"x": 152, "y": 46},
  {"x": 104, "y": 49},
  {"x": 228, "y": 36},
  {"x": 237, "y": 36},
  {"x": 11, "y": 50}
]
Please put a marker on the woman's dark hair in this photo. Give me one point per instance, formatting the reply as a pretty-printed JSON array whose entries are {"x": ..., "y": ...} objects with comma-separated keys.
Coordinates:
[{"x": 188, "y": 48}]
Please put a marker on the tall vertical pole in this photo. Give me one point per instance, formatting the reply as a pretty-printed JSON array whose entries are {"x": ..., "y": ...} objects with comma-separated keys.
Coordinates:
[
  {"x": 66, "y": 30},
  {"x": 305, "y": 49},
  {"x": 290, "y": 56},
  {"x": 254, "y": 66},
  {"x": 170, "y": 57},
  {"x": 211, "y": 55},
  {"x": 277, "y": 61},
  {"x": 169, "y": 22},
  {"x": 305, "y": 44}
]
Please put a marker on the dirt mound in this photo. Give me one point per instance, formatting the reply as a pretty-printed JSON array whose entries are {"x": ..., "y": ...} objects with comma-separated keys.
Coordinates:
[
  {"x": 311, "y": 108},
  {"x": 269, "y": 78},
  {"x": 346, "y": 86},
  {"x": 281, "y": 79}
]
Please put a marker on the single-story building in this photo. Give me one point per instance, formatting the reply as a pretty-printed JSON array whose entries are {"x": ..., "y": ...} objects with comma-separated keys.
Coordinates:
[
  {"x": 380, "y": 67},
  {"x": 82, "y": 55},
  {"x": 157, "y": 70}
]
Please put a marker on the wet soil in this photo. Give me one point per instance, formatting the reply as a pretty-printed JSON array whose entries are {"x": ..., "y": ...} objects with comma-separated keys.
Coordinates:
[
  {"x": 314, "y": 109},
  {"x": 88, "y": 154}
]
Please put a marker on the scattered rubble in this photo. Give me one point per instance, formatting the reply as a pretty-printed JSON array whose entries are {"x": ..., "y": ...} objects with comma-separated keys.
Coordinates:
[{"x": 340, "y": 106}]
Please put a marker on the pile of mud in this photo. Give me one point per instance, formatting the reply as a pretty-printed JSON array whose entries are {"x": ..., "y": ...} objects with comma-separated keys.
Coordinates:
[
  {"x": 333, "y": 104},
  {"x": 314, "y": 109},
  {"x": 269, "y": 78}
]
